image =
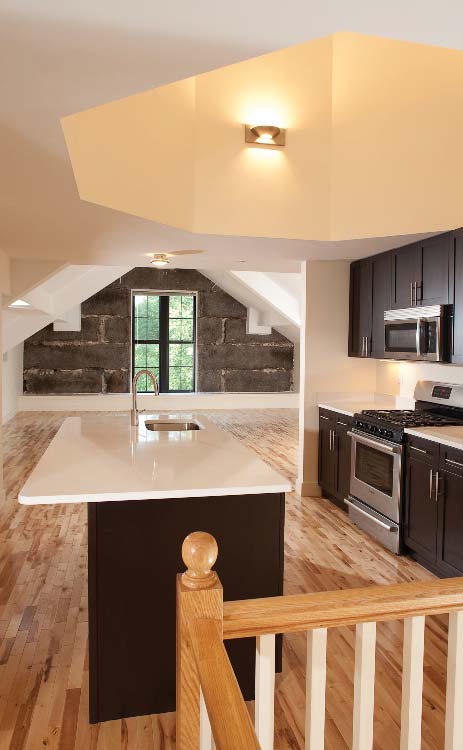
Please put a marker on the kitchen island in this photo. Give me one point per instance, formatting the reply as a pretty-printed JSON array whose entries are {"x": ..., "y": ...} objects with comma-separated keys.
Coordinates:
[{"x": 146, "y": 490}]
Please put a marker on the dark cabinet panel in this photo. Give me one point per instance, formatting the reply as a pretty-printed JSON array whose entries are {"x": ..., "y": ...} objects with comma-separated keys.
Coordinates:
[
  {"x": 360, "y": 309},
  {"x": 343, "y": 451},
  {"x": 434, "y": 287},
  {"x": 326, "y": 452},
  {"x": 421, "y": 509},
  {"x": 334, "y": 455},
  {"x": 406, "y": 272},
  {"x": 381, "y": 292},
  {"x": 450, "y": 542},
  {"x": 456, "y": 265}
]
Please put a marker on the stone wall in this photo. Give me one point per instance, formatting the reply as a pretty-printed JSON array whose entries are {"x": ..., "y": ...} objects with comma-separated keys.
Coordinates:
[{"x": 97, "y": 358}]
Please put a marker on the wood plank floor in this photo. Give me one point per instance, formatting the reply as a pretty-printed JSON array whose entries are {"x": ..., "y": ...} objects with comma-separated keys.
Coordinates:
[{"x": 43, "y": 612}]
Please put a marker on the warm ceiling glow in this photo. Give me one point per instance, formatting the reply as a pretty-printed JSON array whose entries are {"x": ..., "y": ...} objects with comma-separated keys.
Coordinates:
[{"x": 159, "y": 260}]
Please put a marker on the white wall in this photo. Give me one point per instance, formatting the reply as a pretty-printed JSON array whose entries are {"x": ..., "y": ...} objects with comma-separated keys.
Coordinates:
[
  {"x": 399, "y": 379},
  {"x": 12, "y": 381},
  {"x": 327, "y": 372}
]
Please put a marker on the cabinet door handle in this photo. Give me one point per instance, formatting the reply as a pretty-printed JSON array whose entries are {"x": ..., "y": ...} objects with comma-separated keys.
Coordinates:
[
  {"x": 411, "y": 293},
  {"x": 430, "y": 483},
  {"x": 366, "y": 346},
  {"x": 436, "y": 498},
  {"x": 418, "y": 450},
  {"x": 454, "y": 463}
]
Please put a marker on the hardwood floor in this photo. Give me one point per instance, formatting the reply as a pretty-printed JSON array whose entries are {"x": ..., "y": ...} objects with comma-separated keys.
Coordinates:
[{"x": 43, "y": 612}]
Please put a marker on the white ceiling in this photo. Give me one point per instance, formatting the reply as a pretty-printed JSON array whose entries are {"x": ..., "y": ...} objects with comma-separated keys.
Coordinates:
[{"x": 58, "y": 57}]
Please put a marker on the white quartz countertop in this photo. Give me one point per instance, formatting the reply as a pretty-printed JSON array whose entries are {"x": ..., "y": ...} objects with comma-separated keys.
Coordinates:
[
  {"x": 96, "y": 459},
  {"x": 349, "y": 408},
  {"x": 451, "y": 435}
]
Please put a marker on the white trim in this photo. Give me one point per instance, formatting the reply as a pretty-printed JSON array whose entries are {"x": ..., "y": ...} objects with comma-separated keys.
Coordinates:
[
  {"x": 166, "y": 401},
  {"x": 308, "y": 489}
]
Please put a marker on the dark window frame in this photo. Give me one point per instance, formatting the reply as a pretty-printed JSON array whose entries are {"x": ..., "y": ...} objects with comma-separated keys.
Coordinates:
[{"x": 163, "y": 341}]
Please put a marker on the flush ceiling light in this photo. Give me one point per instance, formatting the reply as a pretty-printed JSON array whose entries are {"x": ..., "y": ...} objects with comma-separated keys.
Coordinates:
[
  {"x": 19, "y": 303},
  {"x": 159, "y": 260},
  {"x": 266, "y": 135}
]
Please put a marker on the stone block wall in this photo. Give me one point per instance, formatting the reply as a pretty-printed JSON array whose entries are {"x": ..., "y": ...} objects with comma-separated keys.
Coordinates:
[{"x": 97, "y": 359}]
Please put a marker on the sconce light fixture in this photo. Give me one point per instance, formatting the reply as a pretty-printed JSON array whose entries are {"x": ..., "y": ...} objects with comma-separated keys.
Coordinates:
[
  {"x": 159, "y": 260},
  {"x": 265, "y": 135}
]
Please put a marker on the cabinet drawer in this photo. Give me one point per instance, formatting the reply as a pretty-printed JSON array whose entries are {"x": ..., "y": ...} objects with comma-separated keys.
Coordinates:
[
  {"x": 451, "y": 459},
  {"x": 327, "y": 417},
  {"x": 423, "y": 450},
  {"x": 343, "y": 421}
]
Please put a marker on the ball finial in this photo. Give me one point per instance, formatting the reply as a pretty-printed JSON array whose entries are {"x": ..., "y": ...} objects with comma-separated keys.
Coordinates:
[{"x": 199, "y": 553}]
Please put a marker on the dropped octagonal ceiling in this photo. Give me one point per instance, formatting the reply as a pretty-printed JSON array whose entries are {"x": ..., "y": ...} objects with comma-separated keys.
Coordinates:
[{"x": 373, "y": 144}]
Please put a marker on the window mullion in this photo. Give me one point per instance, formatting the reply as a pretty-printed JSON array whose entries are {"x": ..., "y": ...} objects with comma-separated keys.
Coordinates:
[{"x": 164, "y": 343}]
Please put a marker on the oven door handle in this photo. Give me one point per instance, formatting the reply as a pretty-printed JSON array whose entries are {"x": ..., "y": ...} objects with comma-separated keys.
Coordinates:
[
  {"x": 380, "y": 446},
  {"x": 368, "y": 515}
]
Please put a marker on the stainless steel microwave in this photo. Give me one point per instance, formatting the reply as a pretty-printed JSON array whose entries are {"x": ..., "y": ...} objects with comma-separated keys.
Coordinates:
[{"x": 416, "y": 333}]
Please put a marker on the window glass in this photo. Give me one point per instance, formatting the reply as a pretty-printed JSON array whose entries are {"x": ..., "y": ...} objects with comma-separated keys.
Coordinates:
[{"x": 164, "y": 340}]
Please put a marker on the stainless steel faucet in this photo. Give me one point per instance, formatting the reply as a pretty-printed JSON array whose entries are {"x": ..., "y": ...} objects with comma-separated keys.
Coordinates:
[{"x": 135, "y": 412}]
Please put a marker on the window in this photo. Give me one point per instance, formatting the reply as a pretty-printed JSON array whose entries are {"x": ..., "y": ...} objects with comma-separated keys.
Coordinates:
[{"x": 163, "y": 340}]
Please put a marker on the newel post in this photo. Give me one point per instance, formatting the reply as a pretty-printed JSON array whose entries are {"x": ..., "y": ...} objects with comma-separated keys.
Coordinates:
[{"x": 199, "y": 596}]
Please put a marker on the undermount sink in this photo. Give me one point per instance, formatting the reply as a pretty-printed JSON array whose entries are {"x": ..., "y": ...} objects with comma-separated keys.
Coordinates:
[{"x": 157, "y": 425}]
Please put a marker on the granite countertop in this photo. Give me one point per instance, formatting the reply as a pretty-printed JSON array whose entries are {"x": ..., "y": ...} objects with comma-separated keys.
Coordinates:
[{"x": 97, "y": 459}]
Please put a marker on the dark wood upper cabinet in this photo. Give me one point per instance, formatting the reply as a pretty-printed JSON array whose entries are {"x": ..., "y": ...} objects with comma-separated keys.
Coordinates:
[
  {"x": 406, "y": 275},
  {"x": 456, "y": 291},
  {"x": 381, "y": 290},
  {"x": 360, "y": 313},
  {"x": 435, "y": 256},
  {"x": 420, "y": 273}
]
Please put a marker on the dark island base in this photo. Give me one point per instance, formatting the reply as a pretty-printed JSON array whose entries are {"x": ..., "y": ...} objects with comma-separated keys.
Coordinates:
[{"x": 134, "y": 556}]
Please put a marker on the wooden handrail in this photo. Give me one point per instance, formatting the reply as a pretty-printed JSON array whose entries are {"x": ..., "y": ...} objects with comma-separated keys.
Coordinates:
[
  {"x": 202, "y": 661},
  {"x": 299, "y": 612},
  {"x": 230, "y": 720}
]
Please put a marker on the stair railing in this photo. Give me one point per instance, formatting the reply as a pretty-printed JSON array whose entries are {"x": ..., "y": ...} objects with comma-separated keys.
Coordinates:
[{"x": 210, "y": 706}]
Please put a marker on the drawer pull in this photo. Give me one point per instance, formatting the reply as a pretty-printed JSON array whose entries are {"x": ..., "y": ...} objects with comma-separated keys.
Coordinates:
[
  {"x": 454, "y": 463},
  {"x": 322, "y": 417},
  {"x": 344, "y": 424},
  {"x": 418, "y": 450}
]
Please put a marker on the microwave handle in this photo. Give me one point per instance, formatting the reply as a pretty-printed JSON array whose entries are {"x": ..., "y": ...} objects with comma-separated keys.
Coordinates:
[{"x": 419, "y": 330}]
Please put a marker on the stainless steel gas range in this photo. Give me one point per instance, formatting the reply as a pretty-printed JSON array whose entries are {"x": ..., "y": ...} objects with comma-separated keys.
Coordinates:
[{"x": 375, "y": 502}]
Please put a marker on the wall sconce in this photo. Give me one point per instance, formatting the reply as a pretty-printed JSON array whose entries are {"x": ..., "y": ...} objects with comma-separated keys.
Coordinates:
[{"x": 265, "y": 135}]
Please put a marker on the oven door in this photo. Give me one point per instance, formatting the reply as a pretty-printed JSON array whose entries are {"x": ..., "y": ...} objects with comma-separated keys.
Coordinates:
[{"x": 376, "y": 474}]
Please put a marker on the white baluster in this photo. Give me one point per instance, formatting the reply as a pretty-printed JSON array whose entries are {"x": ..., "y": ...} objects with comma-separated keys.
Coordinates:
[
  {"x": 315, "y": 690},
  {"x": 206, "y": 741},
  {"x": 265, "y": 690},
  {"x": 364, "y": 686},
  {"x": 454, "y": 708},
  {"x": 412, "y": 683}
]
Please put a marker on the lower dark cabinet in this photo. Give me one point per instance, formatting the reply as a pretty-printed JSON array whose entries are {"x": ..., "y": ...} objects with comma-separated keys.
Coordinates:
[
  {"x": 450, "y": 545},
  {"x": 334, "y": 458},
  {"x": 434, "y": 507},
  {"x": 422, "y": 515}
]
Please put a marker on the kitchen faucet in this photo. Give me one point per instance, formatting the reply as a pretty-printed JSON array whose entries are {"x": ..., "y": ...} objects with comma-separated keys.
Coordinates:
[{"x": 135, "y": 412}]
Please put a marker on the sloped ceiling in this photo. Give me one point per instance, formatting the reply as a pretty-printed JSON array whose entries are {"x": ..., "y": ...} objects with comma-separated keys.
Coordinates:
[
  {"x": 373, "y": 144},
  {"x": 59, "y": 58}
]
